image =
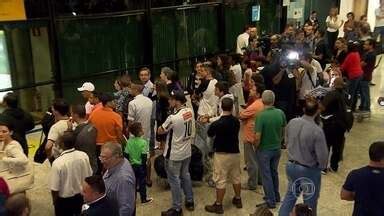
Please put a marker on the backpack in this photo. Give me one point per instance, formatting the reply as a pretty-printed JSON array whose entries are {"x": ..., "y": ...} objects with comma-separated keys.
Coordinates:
[
  {"x": 347, "y": 116},
  {"x": 196, "y": 168}
]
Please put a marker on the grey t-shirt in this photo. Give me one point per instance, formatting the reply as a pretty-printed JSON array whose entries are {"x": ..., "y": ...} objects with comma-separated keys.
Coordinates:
[{"x": 86, "y": 135}]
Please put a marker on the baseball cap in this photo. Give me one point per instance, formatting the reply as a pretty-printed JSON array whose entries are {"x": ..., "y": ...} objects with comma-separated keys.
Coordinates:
[
  {"x": 179, "y": 96},
  {"x": 87, "y": 86}
]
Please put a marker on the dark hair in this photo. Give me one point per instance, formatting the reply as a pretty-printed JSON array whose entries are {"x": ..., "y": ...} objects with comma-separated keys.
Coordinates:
[
  {"x": 376, "y": 151},
  {"x": 223, "y": 86},
  {"x": 371, "y": 42},
  {"x": 308, "y": 56},
  {"x": 363, "y": 16},
  {"x": 227, "y": 104},
  {"x": 68, "y": 139},
  {"x": 61, "y": 106},
  {"x": 288, "y": 25},
  {"x": 6, "y": 121},
  {"x": 106, "y": 97},
  {"x": 246, "y": 27},
  {"x": 11, "y": 100},
  {"x": 97, "y": 94},
  {"x": 96, "y": 182},
  {"x": 311, "y": 106},
  {"x": 260, "y": 87},
  {"x": 16, "y": 204},
  {"x": 352, "y": 14},
  {"x": 236, "y": 58},
  {"x": 178, "y": 95},
  {"x": 79, "y": 110},
  {"x": 321, "y": 32},
  {"x": 353, "y": 46},
  {"x": 303, "y": 210},
  {"x": 135, "y": 128},
  {"x": 224, "y": 61},
  {"x": 145, "y": 69},
  {"x": 313, "y": 12},
  {"x": 124, "y": 80},
  {"x": 257, "y": 78}
]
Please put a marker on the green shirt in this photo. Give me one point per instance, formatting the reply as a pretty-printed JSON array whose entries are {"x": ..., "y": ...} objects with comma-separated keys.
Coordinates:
[
  {"x": 135, "y": 148},
  {"x": 270, "y": 124}
]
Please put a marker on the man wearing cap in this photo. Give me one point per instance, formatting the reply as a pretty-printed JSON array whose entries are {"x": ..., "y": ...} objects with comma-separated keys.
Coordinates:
[
  {"x": 180, "y": 127},
  {"x": 333, "y": 115},
  {"x": 86, "y": 91}
]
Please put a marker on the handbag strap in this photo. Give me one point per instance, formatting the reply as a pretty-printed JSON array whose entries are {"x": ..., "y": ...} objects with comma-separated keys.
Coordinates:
[{"x": 310, "y": 78}]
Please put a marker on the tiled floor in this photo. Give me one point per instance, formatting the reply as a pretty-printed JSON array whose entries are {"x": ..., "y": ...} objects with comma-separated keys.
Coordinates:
[{"x": 355, "y": 155}]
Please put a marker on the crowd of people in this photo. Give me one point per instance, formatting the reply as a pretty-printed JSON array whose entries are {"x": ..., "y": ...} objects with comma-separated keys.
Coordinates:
[{"x": 296, "y": 91}]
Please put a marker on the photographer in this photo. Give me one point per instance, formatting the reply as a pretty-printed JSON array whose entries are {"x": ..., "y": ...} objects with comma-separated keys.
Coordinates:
[{"x": 280, "y": 77}]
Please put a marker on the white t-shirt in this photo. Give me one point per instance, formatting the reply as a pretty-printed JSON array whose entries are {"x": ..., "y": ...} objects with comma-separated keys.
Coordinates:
[
  {"x": 208, "y": 103},
  {"x": 237, "y": 72},
  {"x": 56, "y": 131},
  {"x": 140, "y": 110},
  {"x": 69, "y": 171},
  {"x": 337, "y": 23},
  {"x": 317, "y": 66},
  {"x": 220, "y": 110},
  {"x": 181, "y": 132},
  {"x": 379, "y": 22},
  {"x": 88, "y": 108},
  {"x": 242, "y": 42}
]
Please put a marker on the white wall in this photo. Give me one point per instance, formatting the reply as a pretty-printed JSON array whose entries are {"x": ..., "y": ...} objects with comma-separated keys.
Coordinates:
[
  {"x": 372, "y": 6},
  {"x": 346, "y": 6}
]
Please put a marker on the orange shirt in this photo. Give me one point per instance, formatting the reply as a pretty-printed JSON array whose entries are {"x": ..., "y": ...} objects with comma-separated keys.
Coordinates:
[
  {"x": 108, "y": 123},
  {"x": 248, "y": 117},
  {"x": 96, "y": 107}
]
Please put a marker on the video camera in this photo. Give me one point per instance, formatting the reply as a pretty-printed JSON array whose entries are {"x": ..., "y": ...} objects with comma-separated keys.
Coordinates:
[{"x": 290, "y": 59}]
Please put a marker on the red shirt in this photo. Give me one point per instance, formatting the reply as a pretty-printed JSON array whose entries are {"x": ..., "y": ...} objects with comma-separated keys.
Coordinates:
[{"x": 352, "y": 66}]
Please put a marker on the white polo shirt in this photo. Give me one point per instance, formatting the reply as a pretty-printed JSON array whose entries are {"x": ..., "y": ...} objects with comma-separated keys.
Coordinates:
[
  {"x": 55, "y": 132},
  {"x": 68, "y": 172},
  {"x": 181, "y": 132},
  {"x": 140, "y": 110}
]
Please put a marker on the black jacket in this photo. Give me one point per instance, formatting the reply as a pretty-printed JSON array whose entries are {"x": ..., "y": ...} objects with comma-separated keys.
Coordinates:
[
  {"x": 100, "y": 208},
  {"x": 22, "y": 122}
]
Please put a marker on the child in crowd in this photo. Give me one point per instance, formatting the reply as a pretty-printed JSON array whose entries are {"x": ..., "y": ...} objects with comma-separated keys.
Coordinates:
[{"x": 136, "y": 151}]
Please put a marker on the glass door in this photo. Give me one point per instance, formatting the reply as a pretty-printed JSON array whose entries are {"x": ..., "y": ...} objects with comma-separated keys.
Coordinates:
[{"x": 5, "y": 73}]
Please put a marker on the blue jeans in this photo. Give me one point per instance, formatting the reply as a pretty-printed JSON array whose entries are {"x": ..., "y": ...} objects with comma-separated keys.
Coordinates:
[
  {"x": 353, "y": 87},
  {"x": 268, "y": 161},
  {"x": 301, "y": 180},
  {"x": 252, "y": 167},
  {"x": 179, "y": 179},
  {"x": 365, "y": 104}
]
